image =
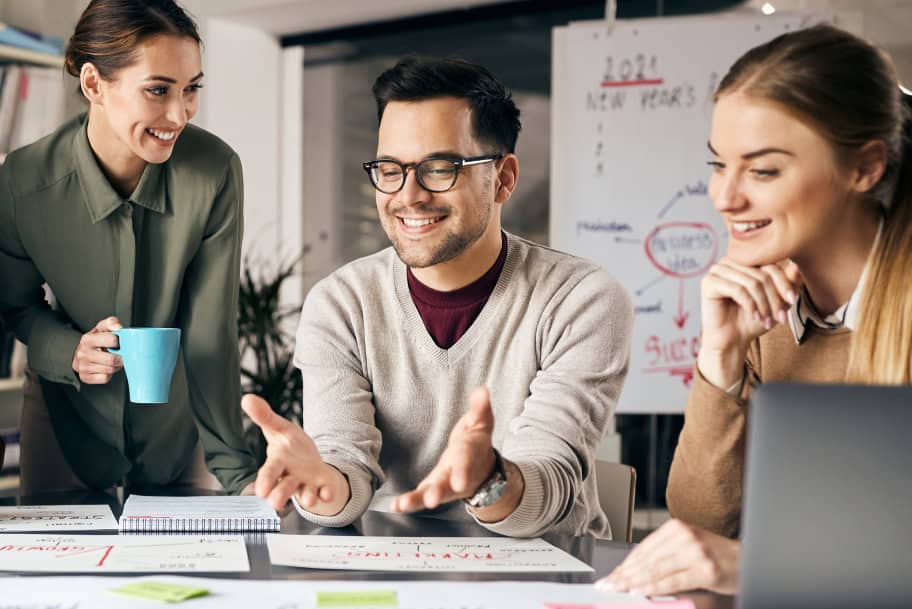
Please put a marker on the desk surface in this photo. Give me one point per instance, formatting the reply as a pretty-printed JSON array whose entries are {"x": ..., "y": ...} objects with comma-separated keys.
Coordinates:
[{"x": 603, "y": 556}]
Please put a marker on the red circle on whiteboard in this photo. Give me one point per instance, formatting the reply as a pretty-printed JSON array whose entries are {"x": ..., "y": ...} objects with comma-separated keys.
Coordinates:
[{"x": 692, "y": 226}]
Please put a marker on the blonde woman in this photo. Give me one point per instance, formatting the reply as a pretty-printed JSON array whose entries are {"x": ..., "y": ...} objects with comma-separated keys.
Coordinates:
[{"x": 811, "y": 171}]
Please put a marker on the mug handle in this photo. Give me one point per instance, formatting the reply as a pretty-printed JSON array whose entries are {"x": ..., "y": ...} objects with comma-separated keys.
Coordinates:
[{"x": 111, "y": 349}]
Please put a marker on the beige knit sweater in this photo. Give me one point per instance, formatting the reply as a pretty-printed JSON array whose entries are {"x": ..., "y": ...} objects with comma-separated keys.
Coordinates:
[
  {"x": 705, "y": 483},
  {"x": 380, "y": 397}
]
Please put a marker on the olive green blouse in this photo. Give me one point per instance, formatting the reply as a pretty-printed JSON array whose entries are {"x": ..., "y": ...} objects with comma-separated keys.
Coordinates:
[{"x": 167, "y": 256}]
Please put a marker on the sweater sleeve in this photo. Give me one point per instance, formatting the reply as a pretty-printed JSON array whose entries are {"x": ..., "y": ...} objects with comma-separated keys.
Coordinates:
[
  {"x": 705, "y": 484},
  {"x": 585, "y": 350},
  {"x": 338, "y": 406}
]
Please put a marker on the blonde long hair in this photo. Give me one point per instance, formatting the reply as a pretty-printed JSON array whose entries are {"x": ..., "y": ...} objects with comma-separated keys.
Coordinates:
[{"x": 847, "y": 90}]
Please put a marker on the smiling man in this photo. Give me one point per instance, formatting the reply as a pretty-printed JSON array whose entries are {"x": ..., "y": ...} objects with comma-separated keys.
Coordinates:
[{"x": 463, "y": 363}]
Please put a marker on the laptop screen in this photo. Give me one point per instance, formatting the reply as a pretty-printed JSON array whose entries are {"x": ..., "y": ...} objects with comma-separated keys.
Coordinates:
[{"x": 827, "y": 518}]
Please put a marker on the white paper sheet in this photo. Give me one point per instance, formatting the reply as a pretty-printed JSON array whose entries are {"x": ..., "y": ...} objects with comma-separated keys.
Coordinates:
[
  {"x": 457, "y": 554},
  {"x": 40, "y": 518},
  {"x": 123, "y": 553},
  {"x": 94, "y": 593}
]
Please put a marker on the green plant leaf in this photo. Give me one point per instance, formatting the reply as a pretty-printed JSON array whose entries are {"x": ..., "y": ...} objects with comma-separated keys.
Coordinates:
[{"x": 266, "y": 346}]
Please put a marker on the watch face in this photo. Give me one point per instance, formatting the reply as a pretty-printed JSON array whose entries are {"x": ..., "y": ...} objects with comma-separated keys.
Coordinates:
[
  {"x": 490, "y": 493},
  {"x": 493, "y": 488}
]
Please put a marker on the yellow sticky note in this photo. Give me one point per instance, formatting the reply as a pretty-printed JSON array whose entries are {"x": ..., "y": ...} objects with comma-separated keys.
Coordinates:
[
  {"x": 160, "y": 591},
  {"x": 360, "y": 598}
]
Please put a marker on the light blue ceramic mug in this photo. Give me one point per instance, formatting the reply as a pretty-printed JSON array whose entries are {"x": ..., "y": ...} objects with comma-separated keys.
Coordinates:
[{"x": 149, "y": 356}]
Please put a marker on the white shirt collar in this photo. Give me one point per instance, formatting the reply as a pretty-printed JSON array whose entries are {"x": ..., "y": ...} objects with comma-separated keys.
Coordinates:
[{"x": 803, "y": 312}]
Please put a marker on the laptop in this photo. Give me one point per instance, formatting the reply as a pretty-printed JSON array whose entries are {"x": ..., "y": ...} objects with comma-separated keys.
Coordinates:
[{"x": 827, "y": 519}]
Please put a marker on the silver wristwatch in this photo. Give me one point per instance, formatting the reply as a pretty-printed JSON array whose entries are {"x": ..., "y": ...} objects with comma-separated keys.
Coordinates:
[{"x": 492, "y": 489}]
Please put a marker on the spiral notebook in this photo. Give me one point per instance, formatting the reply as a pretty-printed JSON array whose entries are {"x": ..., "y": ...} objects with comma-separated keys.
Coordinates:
[{"x": 210, "y": 514}]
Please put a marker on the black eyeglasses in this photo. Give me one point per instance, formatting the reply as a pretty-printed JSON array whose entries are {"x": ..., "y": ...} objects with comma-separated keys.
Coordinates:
[{"x": 434, "y": 174}]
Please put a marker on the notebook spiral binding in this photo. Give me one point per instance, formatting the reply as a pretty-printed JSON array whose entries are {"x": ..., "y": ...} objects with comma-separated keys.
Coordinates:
[{"x": 133, "y": 524}]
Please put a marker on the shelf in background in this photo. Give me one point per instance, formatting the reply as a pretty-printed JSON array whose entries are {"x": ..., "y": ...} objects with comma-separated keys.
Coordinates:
[{"x": 15, "y": 54}]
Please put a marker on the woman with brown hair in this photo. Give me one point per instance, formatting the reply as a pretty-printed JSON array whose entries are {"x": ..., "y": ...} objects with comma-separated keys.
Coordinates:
[
  {"x": 813, "y": 176},
  {"x": 132, "y": 217}
]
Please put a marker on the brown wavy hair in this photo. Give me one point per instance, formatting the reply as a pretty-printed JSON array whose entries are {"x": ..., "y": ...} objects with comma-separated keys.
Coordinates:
[
  {"x": 847, "y": 90},
  {"x": 109, "y": 32}
]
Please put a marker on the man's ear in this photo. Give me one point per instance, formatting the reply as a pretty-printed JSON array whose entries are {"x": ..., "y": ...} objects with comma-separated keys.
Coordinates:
[
  {"x": 507, "y": 177},
  {"x": 90, "y": 83},
  {"x": 869, "y": 167}
]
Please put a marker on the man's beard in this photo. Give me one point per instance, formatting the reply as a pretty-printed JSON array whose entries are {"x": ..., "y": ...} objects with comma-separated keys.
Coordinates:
[{"x": 452, "y": 245}]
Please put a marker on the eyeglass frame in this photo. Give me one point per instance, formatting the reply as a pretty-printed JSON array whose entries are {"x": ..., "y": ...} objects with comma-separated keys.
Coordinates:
[{"x": 458, "y": 164}]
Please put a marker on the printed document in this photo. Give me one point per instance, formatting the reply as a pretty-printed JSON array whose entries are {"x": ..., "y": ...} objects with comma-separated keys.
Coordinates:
[
  {"x": 123, "y": 553},
  {"x": 457, "y": 554},
  {"x": 41, "y": 518}
]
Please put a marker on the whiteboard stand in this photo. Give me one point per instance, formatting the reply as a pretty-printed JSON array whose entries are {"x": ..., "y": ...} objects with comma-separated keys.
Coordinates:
[
  {"x": 610, "y": 14},
  {"x": 653, "y": 459}
]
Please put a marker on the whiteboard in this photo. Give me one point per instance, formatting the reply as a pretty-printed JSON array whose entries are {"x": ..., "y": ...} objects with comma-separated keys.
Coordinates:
[{"x": 630, "y": 122}]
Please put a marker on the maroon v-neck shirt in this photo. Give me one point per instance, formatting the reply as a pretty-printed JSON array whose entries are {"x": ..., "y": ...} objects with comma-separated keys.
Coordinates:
[{"x": 447, "y": 315}]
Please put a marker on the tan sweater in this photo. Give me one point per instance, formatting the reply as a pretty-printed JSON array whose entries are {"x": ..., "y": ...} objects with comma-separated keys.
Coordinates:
[{"x": 705, "y": 483}]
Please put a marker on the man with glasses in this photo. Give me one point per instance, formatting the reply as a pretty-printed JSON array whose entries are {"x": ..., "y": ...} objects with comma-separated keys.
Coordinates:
[{"x": 463, "y": 362}]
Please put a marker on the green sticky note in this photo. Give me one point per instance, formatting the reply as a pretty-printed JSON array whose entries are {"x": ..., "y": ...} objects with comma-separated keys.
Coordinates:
[
  {"x": 161, "y": 591},
  {"x": 361, "y": 598}
]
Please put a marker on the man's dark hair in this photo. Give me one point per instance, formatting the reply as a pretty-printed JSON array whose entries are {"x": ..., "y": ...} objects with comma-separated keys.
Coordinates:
[{"x": 495, "y": 118}]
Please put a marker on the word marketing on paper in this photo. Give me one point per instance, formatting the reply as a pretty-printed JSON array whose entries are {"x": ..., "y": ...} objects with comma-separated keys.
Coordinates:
[{"x": 457, "y": 554}]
